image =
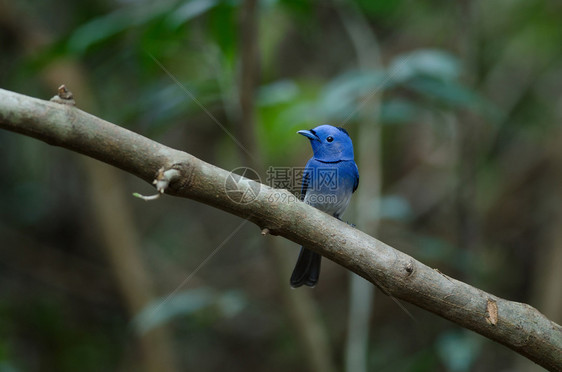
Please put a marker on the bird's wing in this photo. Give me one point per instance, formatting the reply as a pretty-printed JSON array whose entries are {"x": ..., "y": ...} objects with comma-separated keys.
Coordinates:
[
  {"x": 356, "y": 184},
  {"x": 306, "y": 179}
]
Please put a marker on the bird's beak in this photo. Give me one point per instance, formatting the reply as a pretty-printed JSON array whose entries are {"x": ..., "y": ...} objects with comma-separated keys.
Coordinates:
[{"x": 309, "y": 134}]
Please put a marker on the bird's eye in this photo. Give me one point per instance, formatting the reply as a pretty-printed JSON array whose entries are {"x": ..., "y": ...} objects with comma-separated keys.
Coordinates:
[{"x": 330, "y": 139}]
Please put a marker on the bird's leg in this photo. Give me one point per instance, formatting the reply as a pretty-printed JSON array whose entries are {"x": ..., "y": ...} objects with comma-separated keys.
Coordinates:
[{"x": 347, "y": 222}]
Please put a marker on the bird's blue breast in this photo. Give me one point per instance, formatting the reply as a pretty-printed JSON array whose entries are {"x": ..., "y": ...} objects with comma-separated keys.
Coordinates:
[{"x": 328, "y": 185}]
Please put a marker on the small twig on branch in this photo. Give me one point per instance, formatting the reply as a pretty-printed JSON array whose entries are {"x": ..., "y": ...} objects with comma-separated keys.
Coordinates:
[
  {"x": 162, "y": 181},
  {"x": 64, "y": 96}
]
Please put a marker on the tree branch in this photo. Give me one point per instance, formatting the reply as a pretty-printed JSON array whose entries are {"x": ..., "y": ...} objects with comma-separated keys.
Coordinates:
[{"x": 515, "y": 325}]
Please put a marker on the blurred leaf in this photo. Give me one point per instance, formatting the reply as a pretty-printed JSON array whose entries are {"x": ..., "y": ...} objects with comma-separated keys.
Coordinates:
[
  {"x": 434, "y": 249},
  {"x": 285, "y": 107},
  {"x": 394, "y": 207},
  {"x": 346, "y": 94},
  {"x": 397, "y": 111},
  {"x": 427, "y": 62},
  {"x": 5, "y": 366},
  {"x": 190, "y": 10},
  {"x": 458, "y": 350},
  {"x": 382, "y": 8},
  {"x": 6, "y": 353},
  {"x": 300, "y": 113},
  {"x": 223, "y": 27},
  {"x": 163, "y": 310},
  {"x": 105, "y": 27},
  {"x": 277, "y": 92},
  {"x": 449, "y": 92},
  {"x": 102, "y": 28},
  {"x": 302, "y": 9},
  {"x": 161, "y": 106}
]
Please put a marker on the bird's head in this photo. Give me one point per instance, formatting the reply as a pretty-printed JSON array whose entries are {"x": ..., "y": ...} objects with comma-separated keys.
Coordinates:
[{"x": 329, "y": 143}]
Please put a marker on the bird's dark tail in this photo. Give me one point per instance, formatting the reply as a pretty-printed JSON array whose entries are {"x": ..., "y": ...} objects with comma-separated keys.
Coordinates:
[{"x": 307, "y": 269}]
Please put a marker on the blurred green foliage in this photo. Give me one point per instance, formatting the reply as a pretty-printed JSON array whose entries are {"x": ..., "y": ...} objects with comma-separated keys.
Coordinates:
[
  {"x": 163, "y": 310},
  {"x": 470, "y": 115}
]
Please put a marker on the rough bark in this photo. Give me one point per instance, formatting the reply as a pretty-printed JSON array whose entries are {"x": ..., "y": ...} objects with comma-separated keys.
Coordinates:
[{"x": 515, "y": 325}]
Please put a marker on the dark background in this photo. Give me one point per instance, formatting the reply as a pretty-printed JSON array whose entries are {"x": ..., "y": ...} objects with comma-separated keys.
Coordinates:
[{"x": 459, "y": 103}]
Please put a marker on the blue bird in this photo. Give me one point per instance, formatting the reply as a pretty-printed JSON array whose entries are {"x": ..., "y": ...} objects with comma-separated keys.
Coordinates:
[{"x": 329, "y": 179}]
